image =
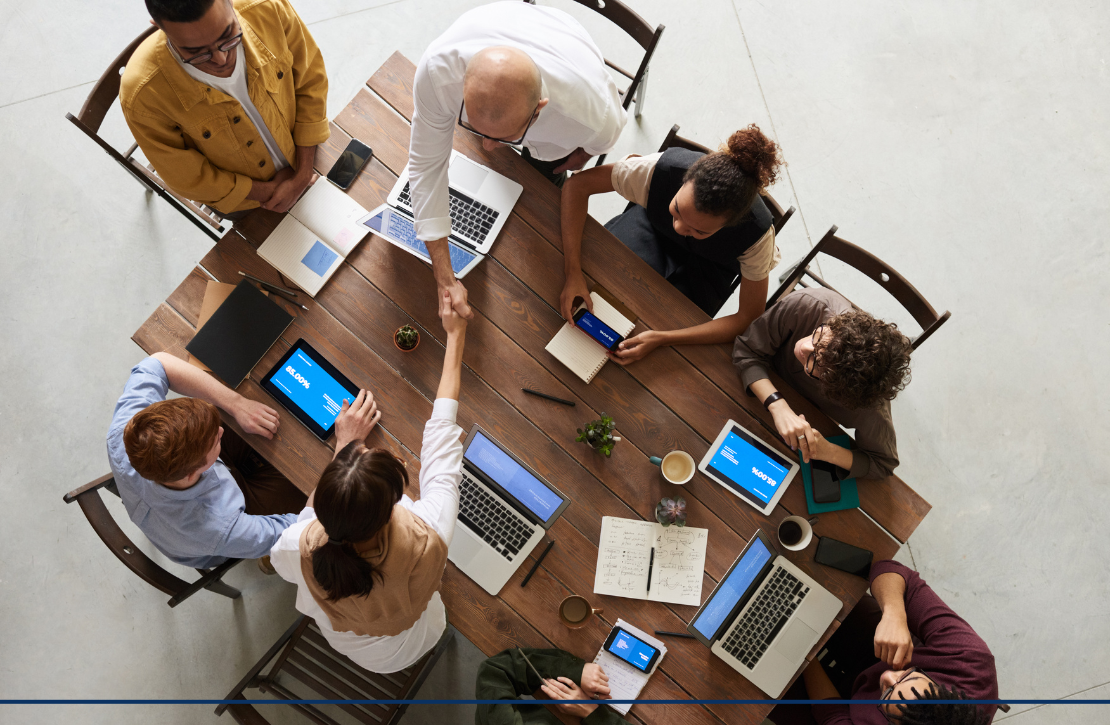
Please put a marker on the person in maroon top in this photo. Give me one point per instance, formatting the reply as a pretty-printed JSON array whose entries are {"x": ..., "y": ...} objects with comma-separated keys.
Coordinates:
[{"x": 914, "y": 647}]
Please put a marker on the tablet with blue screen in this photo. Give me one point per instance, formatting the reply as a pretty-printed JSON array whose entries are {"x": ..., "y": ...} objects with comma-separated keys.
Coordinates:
[
  {"x": 398, "y": 228},
  {"x": 310, "y": 388},
  {"x": 748, "y": 467}
]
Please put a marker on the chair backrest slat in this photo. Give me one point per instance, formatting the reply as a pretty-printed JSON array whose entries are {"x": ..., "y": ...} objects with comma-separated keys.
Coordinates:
[{"x": 106, "y": 90}]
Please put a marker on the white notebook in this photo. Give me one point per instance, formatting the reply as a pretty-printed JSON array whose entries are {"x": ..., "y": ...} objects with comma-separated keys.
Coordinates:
[
  {"x": 625, "y": 681},
  {"x": 625, "y": 561},
  {"x": 578, "y": 351},
  {"x": 315, "y": 236}
]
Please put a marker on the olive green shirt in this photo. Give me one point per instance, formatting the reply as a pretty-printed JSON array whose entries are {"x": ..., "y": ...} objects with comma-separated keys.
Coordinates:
[{"x": 507, "y": 676}]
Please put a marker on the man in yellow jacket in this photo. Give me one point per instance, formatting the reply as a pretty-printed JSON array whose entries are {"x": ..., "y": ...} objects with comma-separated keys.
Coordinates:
[{"x": 228, "y": 101}]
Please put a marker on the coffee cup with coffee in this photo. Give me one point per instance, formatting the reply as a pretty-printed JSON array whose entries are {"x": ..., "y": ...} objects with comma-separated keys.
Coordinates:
[
  {"x": 677, "y": 466},
  {"x": 795, "y": 533},
  {"x": 575, "y": 611}
]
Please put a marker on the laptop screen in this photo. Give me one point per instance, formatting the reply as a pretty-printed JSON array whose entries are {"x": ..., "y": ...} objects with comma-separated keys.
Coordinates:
[
  {"x": 531, "y": 492},
  {"x": 732, "y": 589}
]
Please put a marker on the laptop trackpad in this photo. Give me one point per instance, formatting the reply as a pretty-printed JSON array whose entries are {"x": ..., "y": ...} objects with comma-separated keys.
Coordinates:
[
  {"x": 795, "y": 641},
  {"x": 464, "y": 548},
  {"x": 466, "y": 176}
]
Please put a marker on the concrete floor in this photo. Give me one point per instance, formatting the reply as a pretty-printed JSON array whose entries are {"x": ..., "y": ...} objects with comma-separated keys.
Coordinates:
[{"x": 963, "y": 142}]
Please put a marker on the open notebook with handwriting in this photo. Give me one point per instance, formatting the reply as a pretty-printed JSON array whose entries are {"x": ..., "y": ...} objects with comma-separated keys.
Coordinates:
[{"x": 624, "y": 559}]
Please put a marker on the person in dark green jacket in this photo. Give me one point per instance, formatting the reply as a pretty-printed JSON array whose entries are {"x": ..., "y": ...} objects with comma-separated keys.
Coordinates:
[{"x": 507, "y": 676}]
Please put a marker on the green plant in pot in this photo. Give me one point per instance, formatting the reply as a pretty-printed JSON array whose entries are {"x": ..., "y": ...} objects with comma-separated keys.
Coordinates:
[
  {"x": 598, "y": 435},
  {"x": 406, "y": 338},
  {"x": 671, "y": 511}
]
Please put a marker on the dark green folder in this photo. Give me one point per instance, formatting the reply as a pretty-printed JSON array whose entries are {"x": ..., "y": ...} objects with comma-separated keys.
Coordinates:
[{"x": 849, "y": 496}]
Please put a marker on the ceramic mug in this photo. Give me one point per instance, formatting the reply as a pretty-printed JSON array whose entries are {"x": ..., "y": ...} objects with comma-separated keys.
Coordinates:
[
  {"x": 575, "y": 611},
  {"x": 801, "y": 541},
  {"x": 677, "y": 466}
]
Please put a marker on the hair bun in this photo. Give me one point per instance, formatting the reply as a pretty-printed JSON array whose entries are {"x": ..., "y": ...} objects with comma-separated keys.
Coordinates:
[{"x": 755, "y": 154}]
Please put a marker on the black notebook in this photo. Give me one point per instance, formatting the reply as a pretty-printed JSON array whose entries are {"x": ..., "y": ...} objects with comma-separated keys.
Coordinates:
[{"x": 239, "y": 333}]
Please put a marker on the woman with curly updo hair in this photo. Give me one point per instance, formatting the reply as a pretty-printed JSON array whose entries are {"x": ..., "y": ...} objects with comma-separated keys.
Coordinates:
[
  {"x": 849, "y": 364},
  {"x": 697, "y": 219}
]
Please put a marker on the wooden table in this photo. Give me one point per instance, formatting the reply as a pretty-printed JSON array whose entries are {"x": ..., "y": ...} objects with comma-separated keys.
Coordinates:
[{"x": 675, "y": 398}]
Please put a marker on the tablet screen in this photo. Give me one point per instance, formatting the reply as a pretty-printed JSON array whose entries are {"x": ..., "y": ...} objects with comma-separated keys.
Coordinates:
[
  {"x": 400, "y": 230},
  {"x": 311, "y": 388},
  {"x": 749, "y": 467}
]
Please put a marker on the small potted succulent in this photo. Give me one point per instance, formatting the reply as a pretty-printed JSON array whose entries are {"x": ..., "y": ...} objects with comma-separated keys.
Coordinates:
[
  {"x": 406, "y": 338},
  {"x": 599, "y": 435},
  {"x": 671, "y": 511}
]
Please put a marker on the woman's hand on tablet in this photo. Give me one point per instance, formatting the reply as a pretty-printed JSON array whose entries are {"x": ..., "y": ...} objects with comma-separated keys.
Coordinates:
[
  {"x": 256, "y": 418},
  {"x": 356, "y": 420}
]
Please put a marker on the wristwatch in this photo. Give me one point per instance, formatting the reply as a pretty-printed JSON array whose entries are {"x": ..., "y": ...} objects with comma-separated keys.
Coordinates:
[{"x": 772, "y": 398}]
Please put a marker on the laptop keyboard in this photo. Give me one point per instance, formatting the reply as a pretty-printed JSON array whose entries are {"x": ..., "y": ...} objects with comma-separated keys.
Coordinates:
[
  {"x": 771, "y": 610},
  {"x": 469, "y": 218},
  {"x": 491, "y": 519}
]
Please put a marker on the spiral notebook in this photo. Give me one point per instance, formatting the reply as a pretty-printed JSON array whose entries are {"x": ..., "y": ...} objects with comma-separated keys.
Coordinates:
[
  {"x": 625, "y": 681},
  {"x": 577, "y": 350}
]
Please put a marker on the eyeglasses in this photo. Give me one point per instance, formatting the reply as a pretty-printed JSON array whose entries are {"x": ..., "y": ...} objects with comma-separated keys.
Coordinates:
[
  {"x": 890, "y": 690},
  {"x": 228, "y": 45},
  {"x": 811, "y": 361},
  {"x": 518, "y": 142}
]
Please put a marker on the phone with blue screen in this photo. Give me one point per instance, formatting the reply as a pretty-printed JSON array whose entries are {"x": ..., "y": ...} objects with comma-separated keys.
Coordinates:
[
  {"x": 598, "y": 331},
  {"x": 631, "y": 649}
]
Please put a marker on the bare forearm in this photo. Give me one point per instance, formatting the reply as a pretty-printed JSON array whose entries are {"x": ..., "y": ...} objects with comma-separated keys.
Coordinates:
[
  {"x": 450, "y": 379},
  {"x": 261, "y": 191},
  {"x": 195, "y": 383},
  {"x": 306, "y": 160},
  {"x": 440, "y": 253},
  {"x": 572, "y": 222},
  {"x": 889, "y": 591}
]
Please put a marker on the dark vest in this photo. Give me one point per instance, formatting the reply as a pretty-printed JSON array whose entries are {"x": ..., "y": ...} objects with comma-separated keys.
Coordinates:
[{"x": 724, "y": 247}]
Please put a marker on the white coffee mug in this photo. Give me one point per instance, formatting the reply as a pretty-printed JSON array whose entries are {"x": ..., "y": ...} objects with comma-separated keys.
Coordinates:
[
  {"x": 807, "y": 534},
  {"x": 678, "y": 461}
]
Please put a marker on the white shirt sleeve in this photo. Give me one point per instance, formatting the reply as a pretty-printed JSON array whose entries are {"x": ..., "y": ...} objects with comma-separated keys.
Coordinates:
[
  {"x": 631, "y": 177},
  {"x": 440, "y": 470},
  {"x": 433, "y": 131},
  {"x": 286, "y": 553}
]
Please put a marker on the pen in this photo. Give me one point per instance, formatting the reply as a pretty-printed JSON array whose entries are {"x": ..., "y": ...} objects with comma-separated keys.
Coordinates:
[
  {"x": 537, "y": 564},
  {"x": 538, "y": 394},
  {"x": 651, "y": 563},
  {"x": 675, "y": 634},
  {"x": 267, "y": 285}
]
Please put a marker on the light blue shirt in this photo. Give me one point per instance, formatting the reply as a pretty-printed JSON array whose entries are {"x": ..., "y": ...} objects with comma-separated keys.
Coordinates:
[{"x": 202, "y": 526}]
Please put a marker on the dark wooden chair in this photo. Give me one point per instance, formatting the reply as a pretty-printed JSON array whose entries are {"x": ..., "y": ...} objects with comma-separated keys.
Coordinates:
[
  {"x": 778, "y": 216},
  {"x": 104, "y": 93},
  {"x": 872, "y": 267},
  {"x": 88, "y": 498},
  {"x": 640, "y": 31},
  {"x": 302, "y": 654}
]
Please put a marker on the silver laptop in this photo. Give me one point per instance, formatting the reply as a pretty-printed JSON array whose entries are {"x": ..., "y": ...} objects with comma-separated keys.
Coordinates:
[
  {"x": 764, "y": 616},
  {"x": 504, "y": 510},
  {"x": 481, "y": 200}
]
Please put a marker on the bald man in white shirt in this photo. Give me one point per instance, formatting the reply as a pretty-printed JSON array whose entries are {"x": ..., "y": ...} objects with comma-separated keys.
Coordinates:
[{"x": 511, "y": 73}]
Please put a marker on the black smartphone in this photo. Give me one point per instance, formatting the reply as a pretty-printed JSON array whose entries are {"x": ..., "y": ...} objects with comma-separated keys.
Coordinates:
[
  {"x": 601, "y": 333},
  {"x": 631, "y": 649},
  {"x": 826, "y": 482},
  {"x": 845, "y": 557},
  {"x": 349, "y": 163}
]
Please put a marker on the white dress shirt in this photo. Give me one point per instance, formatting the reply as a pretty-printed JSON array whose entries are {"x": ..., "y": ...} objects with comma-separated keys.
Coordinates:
[
  {"x": 583, "y": 111},
  {"x": 440, "y": 473}
]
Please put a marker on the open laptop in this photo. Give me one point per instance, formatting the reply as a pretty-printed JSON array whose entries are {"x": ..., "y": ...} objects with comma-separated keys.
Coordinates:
[
  {"x": 764, "y": 616},
  {"x": 504, "y": 510},
  {"x": 481, "y": 200}
]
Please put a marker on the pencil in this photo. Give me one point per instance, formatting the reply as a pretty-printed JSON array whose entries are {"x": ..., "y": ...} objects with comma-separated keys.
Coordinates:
[
  {"x": 675, "y": 634},
  {"x": 538, "y": 394},
  {"x": 537, "y": 564}
]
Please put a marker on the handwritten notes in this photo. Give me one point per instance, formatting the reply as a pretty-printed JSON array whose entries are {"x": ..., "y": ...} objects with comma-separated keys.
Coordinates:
[{"x": 624, "y": 555}]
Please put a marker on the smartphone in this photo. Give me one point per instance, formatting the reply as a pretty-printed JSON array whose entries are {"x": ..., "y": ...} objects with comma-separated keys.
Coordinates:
[
  {"x": 349, "y": 163},
  {"x": 601, "y": 333},
  {"x": 845, "y": 557},
  {"x": 826, "y": 482},
  {"x": 631, "y": 649}
]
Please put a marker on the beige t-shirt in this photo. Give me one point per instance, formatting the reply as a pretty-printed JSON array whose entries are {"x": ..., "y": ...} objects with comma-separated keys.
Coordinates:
[{"x": 631, "y": 179}]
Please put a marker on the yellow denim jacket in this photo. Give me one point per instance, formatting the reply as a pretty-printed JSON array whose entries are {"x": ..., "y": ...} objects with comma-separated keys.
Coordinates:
[{"x": 198, "y": 138}]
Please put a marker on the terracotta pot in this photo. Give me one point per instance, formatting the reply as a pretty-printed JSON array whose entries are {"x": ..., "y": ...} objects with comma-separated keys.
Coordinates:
[{"x": 398, "y": 346}]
